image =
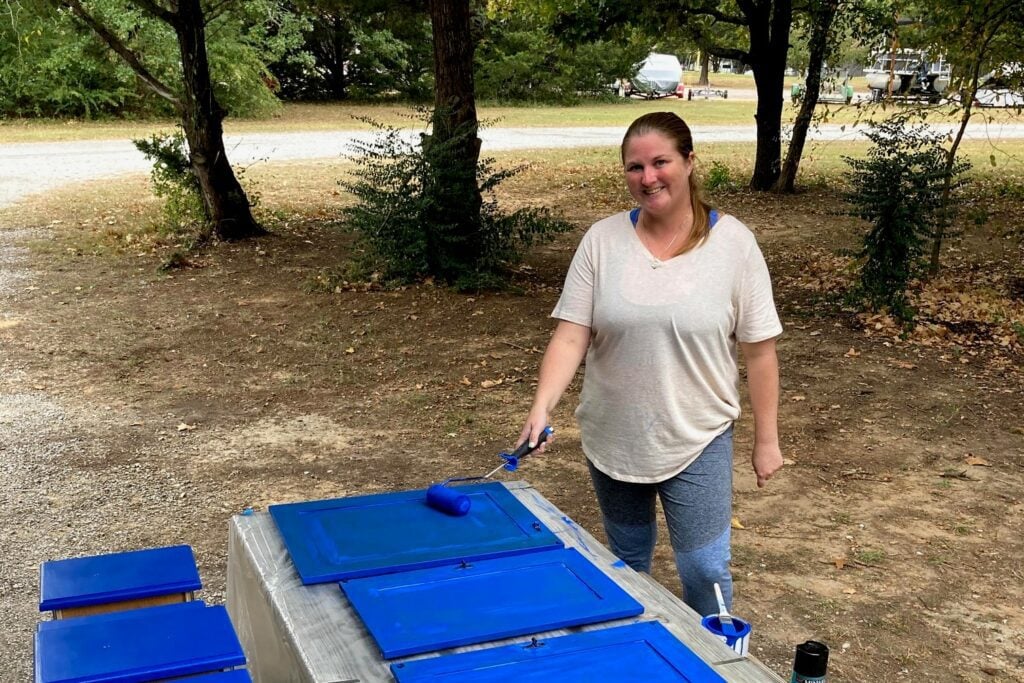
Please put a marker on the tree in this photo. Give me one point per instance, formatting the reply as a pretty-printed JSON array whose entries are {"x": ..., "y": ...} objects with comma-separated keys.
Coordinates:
[
  {"x": 225, "y": 202},
  {"x": 822, "y": 13},
  {"x": 978, "y": 36},
  {"x": 519, "y": 57},
  {"x": 361, "y": 48},
  {"x": 453, "y": 148},
  {"x": 53, "y": 65},
  {"x": 766, "y": 25}
]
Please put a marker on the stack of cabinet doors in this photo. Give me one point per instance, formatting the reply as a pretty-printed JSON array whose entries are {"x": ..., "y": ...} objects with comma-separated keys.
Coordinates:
[
  {"x": 423, "y": 581},
  {"x": 132, "y": 617}
]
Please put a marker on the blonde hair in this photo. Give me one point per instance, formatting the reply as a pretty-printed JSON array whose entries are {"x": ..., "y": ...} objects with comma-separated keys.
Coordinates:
[{"x": 675, "y": 129}]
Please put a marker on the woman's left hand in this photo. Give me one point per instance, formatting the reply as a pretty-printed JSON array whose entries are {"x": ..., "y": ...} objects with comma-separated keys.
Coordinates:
[{"x": 767, "y": 460}]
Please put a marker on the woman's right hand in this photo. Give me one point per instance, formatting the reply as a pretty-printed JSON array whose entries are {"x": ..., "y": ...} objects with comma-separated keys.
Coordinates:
[{"x": 536, "y": 421}]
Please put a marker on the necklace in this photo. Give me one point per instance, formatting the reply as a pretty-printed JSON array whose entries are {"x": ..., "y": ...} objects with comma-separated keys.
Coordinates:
[{"x": 659, "y": 254}]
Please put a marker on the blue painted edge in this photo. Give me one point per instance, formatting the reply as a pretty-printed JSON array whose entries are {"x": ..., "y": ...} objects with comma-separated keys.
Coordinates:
[
  {"x": 611, "y": 602},
  {"x": 460, "y": 666},
  {"x": 79, "y": 581},
  {"x": 146, "y": 612},
  {"x": 287, "y": 517}
]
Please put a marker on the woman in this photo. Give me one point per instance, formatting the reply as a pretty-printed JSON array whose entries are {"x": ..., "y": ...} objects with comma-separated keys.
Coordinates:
[{"x": 657, "y": 299}]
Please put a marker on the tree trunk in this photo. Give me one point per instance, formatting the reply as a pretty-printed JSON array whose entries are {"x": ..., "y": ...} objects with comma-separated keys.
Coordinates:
[
  {"x": 769, "y": 23},
  {"x": 226, "y": 203},
  {"x": 705, "y": 63},
  {"x": 818, "y": 47},
  {"x": 453, "y": 148},
  {"x": 988, "y": 30},
  {"x": 341, "y": 42}
]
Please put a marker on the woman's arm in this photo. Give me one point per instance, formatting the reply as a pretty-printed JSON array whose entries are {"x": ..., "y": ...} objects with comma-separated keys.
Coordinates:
[
  {"x": 563, "y": 356},
  {"x": 763, "y": 381}
]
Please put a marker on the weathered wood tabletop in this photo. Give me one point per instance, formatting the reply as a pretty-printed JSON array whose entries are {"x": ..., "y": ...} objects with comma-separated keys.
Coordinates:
[{"x": 310, "y": 634}]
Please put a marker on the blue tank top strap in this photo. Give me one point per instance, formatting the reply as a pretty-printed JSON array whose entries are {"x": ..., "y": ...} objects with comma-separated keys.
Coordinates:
[{"x": 713, "y": 216}]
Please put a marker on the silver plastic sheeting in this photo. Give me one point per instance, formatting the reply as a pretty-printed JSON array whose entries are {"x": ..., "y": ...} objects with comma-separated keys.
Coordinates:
[{"x": 293, "y": 633}]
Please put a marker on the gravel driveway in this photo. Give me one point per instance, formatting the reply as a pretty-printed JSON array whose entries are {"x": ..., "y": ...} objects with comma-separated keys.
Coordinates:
[{"x": 26, "y": 168}]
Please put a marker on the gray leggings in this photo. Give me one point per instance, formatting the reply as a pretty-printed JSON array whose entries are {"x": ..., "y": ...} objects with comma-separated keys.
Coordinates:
[{"x": 698, "y": 512}]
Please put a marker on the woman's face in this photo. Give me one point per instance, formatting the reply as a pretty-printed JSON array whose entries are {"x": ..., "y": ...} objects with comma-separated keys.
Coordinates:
[{"x": 657, "y": 175}]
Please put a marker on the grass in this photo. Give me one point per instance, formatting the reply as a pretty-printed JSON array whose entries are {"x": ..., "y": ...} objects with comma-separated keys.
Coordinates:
[{"x": 870, "y": 556}]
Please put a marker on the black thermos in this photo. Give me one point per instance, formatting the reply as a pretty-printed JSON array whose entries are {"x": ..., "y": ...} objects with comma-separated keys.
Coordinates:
[{"x": 810, "y": 662}]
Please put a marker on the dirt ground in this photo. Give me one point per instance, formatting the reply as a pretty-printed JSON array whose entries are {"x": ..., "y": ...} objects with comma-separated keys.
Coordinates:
[{"x": 139, "y": 408}]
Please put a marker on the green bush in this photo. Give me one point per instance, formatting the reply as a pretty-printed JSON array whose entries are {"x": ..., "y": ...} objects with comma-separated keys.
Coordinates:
[
  {"x": 406, "y": 236},
  {"x": 719, "y": 178},
  {"x": 898, "y": 189},
  {"x": 174, "y": 182}
]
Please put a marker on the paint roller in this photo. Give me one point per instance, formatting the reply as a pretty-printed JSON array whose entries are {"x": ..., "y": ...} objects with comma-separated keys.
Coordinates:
[{"x": 449, "y": 501}]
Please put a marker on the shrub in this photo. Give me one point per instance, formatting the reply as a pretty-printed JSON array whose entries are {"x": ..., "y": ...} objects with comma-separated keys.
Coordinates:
[
  {"x": 174, "y": 181},
  {"x": 898, "y": 189},
  {"x": 395, "y": 216},
  {"x": 719, "y": 178}
]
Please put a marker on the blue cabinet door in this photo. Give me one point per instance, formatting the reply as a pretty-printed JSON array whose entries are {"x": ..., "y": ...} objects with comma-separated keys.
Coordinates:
[
  {"x": 147, "y": 644},
  {"x": 331, "y": 540},
  {"x": 81, "y": 581},
  {"x": 442, "y": 607},
  {"x": 638, "y": 652}
]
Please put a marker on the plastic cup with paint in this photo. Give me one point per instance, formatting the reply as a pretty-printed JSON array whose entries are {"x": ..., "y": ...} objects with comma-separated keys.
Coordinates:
[{"x": 738, "y": 641}]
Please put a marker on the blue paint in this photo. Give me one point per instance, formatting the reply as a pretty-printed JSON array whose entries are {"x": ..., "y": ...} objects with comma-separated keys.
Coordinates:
[
  {"x": 442, "y": 607},
  {"x": 100, "y": 579},
  {"x": 346, "y": 538},
  {"x": 147, "y": 644},
  {"x": 638, "y": 652},
  {"x": 619, "y": 564},
  {"x": 576, "y": 533}
]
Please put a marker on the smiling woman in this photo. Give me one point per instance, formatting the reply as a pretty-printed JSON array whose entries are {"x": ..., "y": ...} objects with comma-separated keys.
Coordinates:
[{"x": 659, "y": 299}]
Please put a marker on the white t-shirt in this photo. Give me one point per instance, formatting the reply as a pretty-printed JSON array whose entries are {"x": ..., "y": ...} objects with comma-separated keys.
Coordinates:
[{"x": 661, "y": 376}]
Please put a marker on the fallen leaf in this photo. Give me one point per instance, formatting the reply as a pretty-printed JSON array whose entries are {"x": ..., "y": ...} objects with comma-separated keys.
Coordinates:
[
  {"x": 798, "y": 397},
  {"x": 465, "y": 380},
  {"x": 788, "y": 461},
  {"x": 903, "y": 365},
  {"x": 488, "y": 383},
  {"x": 975, "y": 460},
  {"x": 736, "y": 523},
  {"x": 185, "y": 427},
  {"x": 8, "y": 324},
  {"x": 839, "y": 562},
  {"x": 849, "y": 591},
  {"x": 852, "y": 353},
  {"x": 350, "y": 350}
]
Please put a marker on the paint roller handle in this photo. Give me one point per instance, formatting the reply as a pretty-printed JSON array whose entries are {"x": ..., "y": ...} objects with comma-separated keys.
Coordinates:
[{"x": 512, "y": 459}]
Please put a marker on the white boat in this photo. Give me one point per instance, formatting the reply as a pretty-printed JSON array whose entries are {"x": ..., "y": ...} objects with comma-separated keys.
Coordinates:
[
  {"x": 907, "y": 73},
  {"x": 1002, "y": 87}
]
